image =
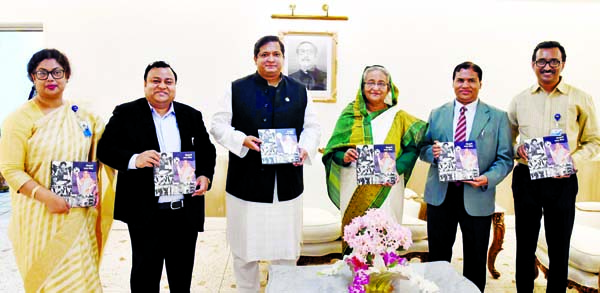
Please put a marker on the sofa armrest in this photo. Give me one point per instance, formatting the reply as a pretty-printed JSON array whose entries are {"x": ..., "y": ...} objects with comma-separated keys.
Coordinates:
[
  {"x": 588, "y": 214},
  {"x": 415, "y": 205}
]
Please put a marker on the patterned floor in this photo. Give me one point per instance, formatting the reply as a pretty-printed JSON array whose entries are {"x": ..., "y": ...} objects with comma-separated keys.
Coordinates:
[{"x": 213, "y": 269}]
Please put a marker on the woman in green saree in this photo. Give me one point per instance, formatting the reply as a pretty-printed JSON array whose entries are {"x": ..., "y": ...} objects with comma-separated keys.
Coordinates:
[{"x": 372, "y": 118}]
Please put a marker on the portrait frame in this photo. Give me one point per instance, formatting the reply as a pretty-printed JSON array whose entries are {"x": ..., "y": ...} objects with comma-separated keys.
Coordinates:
[{"x": 321, "y": 83}]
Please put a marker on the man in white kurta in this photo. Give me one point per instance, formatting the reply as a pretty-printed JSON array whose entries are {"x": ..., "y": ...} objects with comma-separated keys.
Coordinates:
[{"x": 264, "y": 225}]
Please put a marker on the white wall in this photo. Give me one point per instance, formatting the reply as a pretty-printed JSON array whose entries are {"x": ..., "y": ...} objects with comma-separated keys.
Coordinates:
[
  {"x": 209, "y": 43},
  {"x": 16, "y": 49}
]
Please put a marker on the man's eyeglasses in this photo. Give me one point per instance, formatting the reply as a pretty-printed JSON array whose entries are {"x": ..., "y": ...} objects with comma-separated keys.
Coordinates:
[
  {"x": 379, "y": 84},
  {"x": 542, "y": 63},
  {"x": 57, "y": 73}
]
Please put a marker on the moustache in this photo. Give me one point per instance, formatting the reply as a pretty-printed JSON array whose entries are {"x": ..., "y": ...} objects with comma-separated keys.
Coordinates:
[{"x": 547, "y": 71}]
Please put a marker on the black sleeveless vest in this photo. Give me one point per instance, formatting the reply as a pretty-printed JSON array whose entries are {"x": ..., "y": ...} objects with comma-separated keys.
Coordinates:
[{"x": 256, "y": 105}]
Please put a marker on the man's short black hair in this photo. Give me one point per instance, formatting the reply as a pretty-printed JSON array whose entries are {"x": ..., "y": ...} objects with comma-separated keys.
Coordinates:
[
  {"x": 550, "y": 45},
  {"x": 468, "y": 65},
  {"x": 268, "y": 39},
  {"x": 158, "y": 64}
]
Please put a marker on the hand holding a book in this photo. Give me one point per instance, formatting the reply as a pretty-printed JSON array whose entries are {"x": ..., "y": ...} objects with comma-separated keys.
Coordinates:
[
  {"x": 522, "y": 152},
  {"x": 201, "y": 186},
  {"x": 252, "y": 142},
  {"x": 478, "y": 181},
  {"x": 351, "y": 155},
  {"x": 55, "y": 203},
  {"x": 564, "y": 176},
  {"x": 303, "y": 155},
  {"x": 149, "y": 158},
  {"x": 436, "y": 149},
  {"x": 390, "y": 184}
]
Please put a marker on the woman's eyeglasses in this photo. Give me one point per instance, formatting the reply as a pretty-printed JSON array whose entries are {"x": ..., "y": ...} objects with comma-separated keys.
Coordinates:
[{"x": 57, "y": 73}]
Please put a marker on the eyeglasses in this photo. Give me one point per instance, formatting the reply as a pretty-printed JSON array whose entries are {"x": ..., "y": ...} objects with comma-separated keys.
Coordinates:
[
  {"x": 542, "y": 63},
  {"x": 57, "y": 73},
  {"x": 379, "y": 84}
]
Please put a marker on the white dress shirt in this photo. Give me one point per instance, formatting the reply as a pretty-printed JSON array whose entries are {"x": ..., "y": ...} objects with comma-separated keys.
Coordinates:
[
  {"x": 169, "y": 140},
  {"x": 469, "y": 115}
]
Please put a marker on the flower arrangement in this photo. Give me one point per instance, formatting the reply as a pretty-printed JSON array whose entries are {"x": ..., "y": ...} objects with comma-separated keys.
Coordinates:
[{"x": 375, "y": 239}]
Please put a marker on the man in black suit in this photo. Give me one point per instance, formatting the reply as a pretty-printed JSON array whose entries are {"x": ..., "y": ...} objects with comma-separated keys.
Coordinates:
[{"x": 162, "y": 228}]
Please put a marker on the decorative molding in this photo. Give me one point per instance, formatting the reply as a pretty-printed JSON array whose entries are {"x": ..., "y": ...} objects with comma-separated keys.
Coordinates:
[{"x": 21, "y": 27}]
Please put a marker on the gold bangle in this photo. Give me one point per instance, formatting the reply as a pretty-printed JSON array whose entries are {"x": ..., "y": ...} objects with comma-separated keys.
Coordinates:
[{"x": 34, "y": 190}]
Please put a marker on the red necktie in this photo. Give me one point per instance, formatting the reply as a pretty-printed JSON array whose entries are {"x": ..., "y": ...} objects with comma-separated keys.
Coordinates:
[{"x": 461, "y": 126}]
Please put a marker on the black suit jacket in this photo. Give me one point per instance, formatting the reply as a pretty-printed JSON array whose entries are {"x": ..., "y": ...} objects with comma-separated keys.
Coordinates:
[{"x": 131, "y": 131}]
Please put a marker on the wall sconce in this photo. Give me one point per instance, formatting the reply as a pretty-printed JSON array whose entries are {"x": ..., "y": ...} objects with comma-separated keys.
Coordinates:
[{"x": 292, "y": 15}]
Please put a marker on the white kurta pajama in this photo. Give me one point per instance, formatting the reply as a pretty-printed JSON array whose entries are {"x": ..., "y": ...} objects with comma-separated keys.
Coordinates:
[{"x": 263, "y": 231}]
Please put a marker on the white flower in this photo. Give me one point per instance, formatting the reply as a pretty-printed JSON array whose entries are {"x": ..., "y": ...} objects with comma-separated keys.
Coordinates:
[
  {"x": 378, "y": 265},
  {"x": 334, "y": 269}
]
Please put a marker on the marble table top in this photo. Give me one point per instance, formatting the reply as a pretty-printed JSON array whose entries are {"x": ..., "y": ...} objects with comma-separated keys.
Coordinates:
[{"x": 305, "y": 279}]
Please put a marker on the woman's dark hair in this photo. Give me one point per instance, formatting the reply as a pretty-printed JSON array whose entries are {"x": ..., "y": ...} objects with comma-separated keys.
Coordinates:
[
  {"x": 268, "y": 39},
  {"x": 48, "y": 54},
  {"x": 32, "y": 93}
]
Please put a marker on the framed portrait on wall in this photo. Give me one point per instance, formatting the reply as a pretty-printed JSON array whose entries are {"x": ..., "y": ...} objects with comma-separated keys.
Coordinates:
[{"x": 311, "y": 59}]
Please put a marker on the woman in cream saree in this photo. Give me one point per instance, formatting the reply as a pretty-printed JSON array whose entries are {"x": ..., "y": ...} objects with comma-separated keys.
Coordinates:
[
  {"x": 372, "y": 118},
  {"x": 57, "y": 248}
]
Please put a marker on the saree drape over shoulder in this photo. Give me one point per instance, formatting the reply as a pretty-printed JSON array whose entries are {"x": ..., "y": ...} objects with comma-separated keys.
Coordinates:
[
  {"x": 357, "y": 126},
  {"x": 54, "y": 252}
]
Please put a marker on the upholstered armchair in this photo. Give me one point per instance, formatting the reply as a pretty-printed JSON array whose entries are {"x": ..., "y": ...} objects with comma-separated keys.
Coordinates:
[
  {"x": 414, "y": 217},
  {"x": 322, "y": 231},
  {"x": 584, "y": 254}
]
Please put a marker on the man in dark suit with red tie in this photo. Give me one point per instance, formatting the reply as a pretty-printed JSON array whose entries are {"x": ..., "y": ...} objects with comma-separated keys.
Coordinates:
[{"x": 163, "y": 229}]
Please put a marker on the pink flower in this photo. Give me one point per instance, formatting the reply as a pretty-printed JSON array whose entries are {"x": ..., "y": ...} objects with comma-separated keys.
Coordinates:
[
  {"x": 374, "y": 238},
  {"x": 391, "y": 259},
  {"x": 361, "y": 278}
]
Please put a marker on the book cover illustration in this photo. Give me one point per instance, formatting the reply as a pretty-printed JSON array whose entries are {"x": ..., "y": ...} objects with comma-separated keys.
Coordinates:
[
  {"x": 537, "y": 160},
  {"x": 549, "y": 156},
  {"x": 279, "y": 146},
  {"x": 77, "y": 182},
  {"x": 175, "y": 174},
  {"x": 447, "y": 162},
  {"x": 376, "y": 164},
  {"x": 185, "y": 171},
  {"x": 467, "y": 165},
  {"x": 560, "y": 162},
  {"x": 458, "y": 161}
]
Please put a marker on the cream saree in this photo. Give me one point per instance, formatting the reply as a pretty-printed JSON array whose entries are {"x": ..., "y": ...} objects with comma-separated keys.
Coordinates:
[
  {"x": 54, "y": 252},
  {"x": 357, "y": 126}
]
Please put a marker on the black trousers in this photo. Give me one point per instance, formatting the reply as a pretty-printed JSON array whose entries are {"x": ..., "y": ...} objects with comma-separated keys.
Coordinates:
[
  {"x": 169, "y": 240},
  {"x": 555, "y": 199},
  {"x": 442, "y": 222}
]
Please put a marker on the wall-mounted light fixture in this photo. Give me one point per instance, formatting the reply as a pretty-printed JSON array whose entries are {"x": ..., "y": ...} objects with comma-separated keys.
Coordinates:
[{"x": 292, "y": 15}]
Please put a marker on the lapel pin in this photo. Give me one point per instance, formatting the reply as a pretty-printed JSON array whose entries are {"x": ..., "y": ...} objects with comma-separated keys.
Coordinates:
[{"x": 287, "y": 99}]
